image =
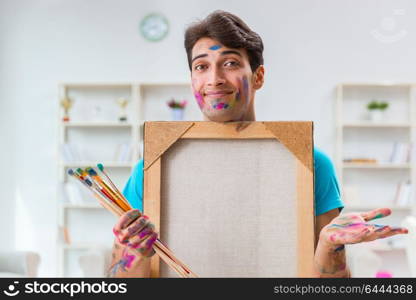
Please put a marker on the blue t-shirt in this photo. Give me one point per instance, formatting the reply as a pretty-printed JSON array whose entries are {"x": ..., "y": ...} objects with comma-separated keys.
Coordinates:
[{"x": 327, "y": 194}]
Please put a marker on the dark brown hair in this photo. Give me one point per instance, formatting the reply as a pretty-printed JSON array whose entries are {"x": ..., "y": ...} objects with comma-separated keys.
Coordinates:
[{"x": 230, "y": 31}]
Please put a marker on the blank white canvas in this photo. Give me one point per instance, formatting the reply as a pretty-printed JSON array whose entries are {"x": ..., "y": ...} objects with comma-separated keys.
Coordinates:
[{"x": 228, "y": 207}]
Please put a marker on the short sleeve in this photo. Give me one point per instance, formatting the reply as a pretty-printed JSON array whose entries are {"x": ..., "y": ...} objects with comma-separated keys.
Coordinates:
[
  {"x": 133, "y": 191},
  {"x": 327, "y": 192}
]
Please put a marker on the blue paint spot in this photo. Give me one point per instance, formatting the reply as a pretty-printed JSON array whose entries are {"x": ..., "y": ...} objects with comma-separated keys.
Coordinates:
[
  {"x": 340, "y": 248},
  {"x": 215, "y": 47}
]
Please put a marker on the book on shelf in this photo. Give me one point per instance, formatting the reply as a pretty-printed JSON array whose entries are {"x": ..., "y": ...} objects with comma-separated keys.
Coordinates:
[
  {"x": 361, "y": 160},
  {"x": 401, "y": 153},
  {"x": 404, "y": 193}
]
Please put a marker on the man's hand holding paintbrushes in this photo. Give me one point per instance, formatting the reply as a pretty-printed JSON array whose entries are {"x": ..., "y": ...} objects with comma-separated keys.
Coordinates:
[
  {"x": 133, "y": 246},
  {"x": 135, "y": 234}
]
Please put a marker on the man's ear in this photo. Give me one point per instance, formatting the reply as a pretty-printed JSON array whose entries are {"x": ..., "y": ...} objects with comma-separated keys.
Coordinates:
[{"x": 258, "y": 77}]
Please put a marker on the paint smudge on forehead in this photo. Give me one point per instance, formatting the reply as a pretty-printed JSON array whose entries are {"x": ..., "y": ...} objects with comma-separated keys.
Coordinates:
[{"x": 215, "y": 47}]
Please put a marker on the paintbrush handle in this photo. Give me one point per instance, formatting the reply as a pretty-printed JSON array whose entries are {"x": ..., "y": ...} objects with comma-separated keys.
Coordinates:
[{"x": 159, "y": 245}]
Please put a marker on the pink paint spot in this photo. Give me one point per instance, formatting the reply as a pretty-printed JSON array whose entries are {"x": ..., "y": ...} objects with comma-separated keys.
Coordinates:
[
  {"x": 151, "y": 241},
  {"x": 332, "y": 238},
  {"x": 199, "y": 99},
  {"x": 219, "y": 106},
  {"x": 384, "y": 274},
  {"x": 128, "y": 259},
  {"x": 356, "y": 225},
  {"x": 144, "y": 233}
]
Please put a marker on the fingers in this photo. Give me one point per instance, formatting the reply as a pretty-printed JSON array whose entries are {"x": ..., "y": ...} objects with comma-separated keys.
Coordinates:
[
  {"x": 137, "y": 232},
  {"x": 368, "y": 234},
  {"x": 131, "y": 230},
  {"x": 390, "y": 231},
  {"x": 147, "y": 245},
  {"x": 376, "y": 214},
  {"x": 136, "y": 240},
  {"x": 126, "y": 219}
]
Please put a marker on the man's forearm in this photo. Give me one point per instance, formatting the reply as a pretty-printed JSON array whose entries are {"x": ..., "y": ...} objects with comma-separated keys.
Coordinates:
[
  {"x": 126, "y": 263},
  {"x": 330, "y": 261}
]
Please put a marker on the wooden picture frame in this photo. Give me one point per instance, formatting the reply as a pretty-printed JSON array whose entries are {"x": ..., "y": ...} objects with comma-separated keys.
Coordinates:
[{"x": 296, "y": 137}]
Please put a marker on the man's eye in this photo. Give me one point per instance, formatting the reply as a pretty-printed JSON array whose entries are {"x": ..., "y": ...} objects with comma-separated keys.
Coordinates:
[
  {"x": 199, "y": 67},
  {"x": 231, "y": 63}
]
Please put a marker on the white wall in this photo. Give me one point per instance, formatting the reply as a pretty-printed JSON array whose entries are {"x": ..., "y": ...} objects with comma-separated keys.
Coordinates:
[
  {"x": 310, "y": 47},
  {"x": 7, "y": 144}
]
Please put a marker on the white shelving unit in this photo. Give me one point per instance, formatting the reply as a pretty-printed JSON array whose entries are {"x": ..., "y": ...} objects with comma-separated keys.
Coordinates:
[
  {"x": 94, "y": 119},
  {"x": 356, "y": 136},
  {"x": 351, "y": 122}
]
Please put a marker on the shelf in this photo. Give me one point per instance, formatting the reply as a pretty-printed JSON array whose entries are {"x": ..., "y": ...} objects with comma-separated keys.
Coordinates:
[
  {"x": 82, "y": 206},
  {"x": 375, "y": 166},
  {"x": 94, "y": 164},
  {"x": 376, "y": 125},
  {"x": 96, "y": 124},
  {"x": 96, "y": 85}
]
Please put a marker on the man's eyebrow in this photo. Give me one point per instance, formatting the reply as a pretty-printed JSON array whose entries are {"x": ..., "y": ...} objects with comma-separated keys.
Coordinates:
[
  {"x": 231, "y": 52},
  {"x": 198, "y": 56}
]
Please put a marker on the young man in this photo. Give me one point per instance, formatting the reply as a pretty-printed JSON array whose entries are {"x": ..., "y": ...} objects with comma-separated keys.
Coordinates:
[{"x": 226, "y": 62}]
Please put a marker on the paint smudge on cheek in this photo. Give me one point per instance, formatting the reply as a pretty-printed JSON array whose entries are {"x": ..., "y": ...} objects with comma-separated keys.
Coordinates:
[
  {"x": 197, "y": 95},
  {"x": 245, "y": 87},
  {"x": 199, "y": 99},
  {"x": 215, "y": 47},
  {"x": 238, "y": 96}
]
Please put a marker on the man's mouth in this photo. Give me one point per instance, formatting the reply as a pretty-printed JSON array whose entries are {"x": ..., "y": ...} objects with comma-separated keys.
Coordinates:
[{"x": 218, "y": 94}]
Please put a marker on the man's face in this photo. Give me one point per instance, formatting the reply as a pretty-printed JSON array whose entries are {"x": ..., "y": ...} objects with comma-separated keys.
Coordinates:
[{"x": 221, "y": 81}]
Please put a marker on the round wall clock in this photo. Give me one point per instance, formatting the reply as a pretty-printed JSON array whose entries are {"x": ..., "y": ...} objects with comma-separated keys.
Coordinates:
[{"x": 154, "y": 27}]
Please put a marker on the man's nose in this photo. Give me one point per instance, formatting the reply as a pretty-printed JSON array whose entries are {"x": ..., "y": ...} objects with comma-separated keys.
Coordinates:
[{"x": 216, "y": 77}]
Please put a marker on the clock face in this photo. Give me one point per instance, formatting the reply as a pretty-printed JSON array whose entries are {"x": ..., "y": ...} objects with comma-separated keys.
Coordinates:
[{"x": 154, "y": 27}]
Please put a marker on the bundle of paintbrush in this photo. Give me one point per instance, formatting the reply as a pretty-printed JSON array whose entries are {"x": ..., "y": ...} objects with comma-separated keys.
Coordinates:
[{"x": 112, "y": 199}]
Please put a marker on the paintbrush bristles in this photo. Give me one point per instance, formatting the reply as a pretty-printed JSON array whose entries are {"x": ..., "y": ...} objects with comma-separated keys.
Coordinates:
[{"x": 114, "y": 195}]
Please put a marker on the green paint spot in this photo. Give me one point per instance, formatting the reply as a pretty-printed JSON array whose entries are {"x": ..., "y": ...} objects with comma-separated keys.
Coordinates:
[{"x": 380, "y": 215}]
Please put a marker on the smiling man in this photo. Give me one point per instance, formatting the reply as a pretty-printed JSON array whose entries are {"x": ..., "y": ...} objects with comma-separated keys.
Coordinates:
[{"x": 226, "y": 62}]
